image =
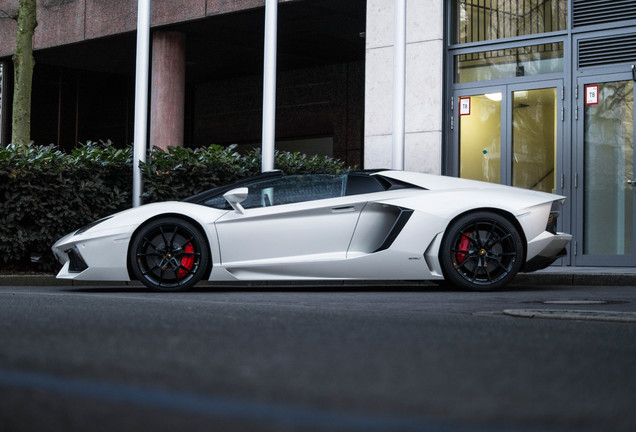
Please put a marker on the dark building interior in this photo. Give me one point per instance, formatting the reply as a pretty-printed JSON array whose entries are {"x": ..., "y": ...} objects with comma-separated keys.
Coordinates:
[{"x": 85, "y": 91}]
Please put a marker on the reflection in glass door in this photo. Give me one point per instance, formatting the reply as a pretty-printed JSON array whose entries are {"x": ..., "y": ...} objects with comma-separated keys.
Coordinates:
[
  {"x": 608, "y": 147},
  {"x": 534, "y": 139},
  {"x": 480, "y": 137},
  {"x": 509, "y": 135}
]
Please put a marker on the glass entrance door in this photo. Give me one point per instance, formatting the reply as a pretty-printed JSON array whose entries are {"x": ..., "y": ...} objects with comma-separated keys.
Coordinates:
[
  {"x": 481, "y": 135},
  {"x": 535, "y": 126},
  {"x": 605, "y": 195},
  {"x": 510, "y": 134}
]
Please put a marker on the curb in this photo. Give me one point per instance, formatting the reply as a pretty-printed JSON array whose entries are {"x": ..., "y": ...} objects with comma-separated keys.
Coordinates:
[
  {"x": 572, "y": 278},
  {"x": 585, "y": 315},
  {"x": 575, "y": 278}
]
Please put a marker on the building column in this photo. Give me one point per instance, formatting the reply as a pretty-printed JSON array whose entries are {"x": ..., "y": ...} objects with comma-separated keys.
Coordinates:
[{"x": 168, "y": 89}]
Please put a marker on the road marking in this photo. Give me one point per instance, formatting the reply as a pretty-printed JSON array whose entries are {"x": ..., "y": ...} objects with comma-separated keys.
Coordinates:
[{"x": 221, "y": 406}]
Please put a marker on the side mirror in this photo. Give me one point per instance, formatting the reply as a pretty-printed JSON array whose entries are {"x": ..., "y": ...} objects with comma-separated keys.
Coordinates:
[{"x": 235, "y": 197}]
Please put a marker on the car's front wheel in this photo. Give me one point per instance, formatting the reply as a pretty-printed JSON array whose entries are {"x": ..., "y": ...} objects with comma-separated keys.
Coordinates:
[
  {"x": 169, "y": 254},
  {"x": 481, "y": 251}
]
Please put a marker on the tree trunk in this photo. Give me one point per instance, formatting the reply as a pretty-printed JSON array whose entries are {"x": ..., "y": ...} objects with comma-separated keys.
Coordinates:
[{"x": 23, "y": 64}]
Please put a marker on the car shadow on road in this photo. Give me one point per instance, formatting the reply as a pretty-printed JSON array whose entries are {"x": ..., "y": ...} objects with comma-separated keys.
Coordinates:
[{"x": 264, "y": 287}]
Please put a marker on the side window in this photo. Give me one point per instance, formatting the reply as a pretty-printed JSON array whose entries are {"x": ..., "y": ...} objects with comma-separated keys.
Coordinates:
[
  {"x": 294, "y": 189},
  {"x": 218, "y": 202},
  {"x": 287, "y": 190}
]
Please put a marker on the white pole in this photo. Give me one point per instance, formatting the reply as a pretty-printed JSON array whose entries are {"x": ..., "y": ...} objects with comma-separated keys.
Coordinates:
[
  {"x": 269, "y": 85},
  {"x": 141, "y": 96},
  {"x": 399, "y": 83}
]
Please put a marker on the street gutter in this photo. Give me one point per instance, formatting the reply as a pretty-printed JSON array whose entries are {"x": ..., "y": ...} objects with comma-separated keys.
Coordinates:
[
  {"x": 587, "y": 315},
  {"x": 567, "y": 276}
]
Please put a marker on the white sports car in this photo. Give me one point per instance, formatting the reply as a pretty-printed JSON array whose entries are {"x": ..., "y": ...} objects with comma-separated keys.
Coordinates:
[{"x": 359, "y": 225}]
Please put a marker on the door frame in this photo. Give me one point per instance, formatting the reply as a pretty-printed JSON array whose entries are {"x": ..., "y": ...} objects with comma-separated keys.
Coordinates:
[
  {"x": 581, "y": 259},
  {"x": 506, "y": 127},
  {"x": 455, "y": 122},
  {"x": 559, "y": 165}
]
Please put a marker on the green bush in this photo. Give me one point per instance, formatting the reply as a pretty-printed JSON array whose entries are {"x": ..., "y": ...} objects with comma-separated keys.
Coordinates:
[
  {"x": 181, "y": 172},
  {"x": 45, "y": 193}
]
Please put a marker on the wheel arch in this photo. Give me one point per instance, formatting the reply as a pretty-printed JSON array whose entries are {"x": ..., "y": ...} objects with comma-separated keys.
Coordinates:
[
  {"x": 503, "y": 213},
  {"x": 183, "y": 217}
]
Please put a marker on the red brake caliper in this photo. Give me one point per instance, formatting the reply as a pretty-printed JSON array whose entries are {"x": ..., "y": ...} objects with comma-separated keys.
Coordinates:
[
  {"x": 187, "y": 262},
  {"x": 463, "y": 245}
]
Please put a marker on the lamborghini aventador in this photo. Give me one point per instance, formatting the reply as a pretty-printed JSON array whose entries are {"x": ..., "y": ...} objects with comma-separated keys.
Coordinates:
[{"x": 386, "y": 225}]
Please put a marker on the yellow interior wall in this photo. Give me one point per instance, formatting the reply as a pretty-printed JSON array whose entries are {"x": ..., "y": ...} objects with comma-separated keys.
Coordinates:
[
  {"x": 534, "y": 126},
  {"x": 480, "y": 140}
]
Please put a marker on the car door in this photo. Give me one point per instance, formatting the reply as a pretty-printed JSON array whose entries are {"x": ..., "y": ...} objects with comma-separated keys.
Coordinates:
[{"x": 288, "y": 220}]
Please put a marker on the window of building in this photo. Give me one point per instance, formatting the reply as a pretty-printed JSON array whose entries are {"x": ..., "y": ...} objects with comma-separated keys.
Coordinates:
[
  {"x": 484, "y": 20},
  {"x": 609, "y": 163},
  {"x": 509, "y": 63}
]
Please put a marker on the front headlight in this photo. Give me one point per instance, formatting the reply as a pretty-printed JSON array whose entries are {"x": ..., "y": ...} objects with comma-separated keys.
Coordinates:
[{"x": 555, "y": 211}]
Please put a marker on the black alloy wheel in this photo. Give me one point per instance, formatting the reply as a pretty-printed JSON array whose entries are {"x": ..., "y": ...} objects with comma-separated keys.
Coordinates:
[
  {"x": 169, "y": 254},
  {"x": 481, "y": 251}
]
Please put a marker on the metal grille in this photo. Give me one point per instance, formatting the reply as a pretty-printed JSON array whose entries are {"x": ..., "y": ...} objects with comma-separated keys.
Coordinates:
[
  {"x": 481, "y": 20},
  {"x": 610, "y": 50},
  {"x": 589, "y": 12}
]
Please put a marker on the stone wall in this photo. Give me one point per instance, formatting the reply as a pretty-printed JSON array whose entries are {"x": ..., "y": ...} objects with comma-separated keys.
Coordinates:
[
  {"x": 424, "y": 85},
  {"x": 62, "y": 22}
]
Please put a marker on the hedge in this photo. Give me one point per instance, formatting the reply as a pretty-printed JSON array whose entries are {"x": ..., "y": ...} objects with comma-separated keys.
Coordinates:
[{"x": 45, "y": 193}]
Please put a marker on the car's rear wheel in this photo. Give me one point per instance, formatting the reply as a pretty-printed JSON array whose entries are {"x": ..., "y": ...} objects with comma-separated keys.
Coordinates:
[
  {"x": 481, "y": 251},
  {"x": 169, "y": 254}
]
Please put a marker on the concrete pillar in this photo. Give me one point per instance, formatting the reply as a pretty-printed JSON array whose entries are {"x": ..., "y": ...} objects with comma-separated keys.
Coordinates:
[
  {"x": 399, "y": 83},
  {"x": 144, "y": 8},
  {"x": 269, "y": 86},
  {"x": 168, "y": 89}
]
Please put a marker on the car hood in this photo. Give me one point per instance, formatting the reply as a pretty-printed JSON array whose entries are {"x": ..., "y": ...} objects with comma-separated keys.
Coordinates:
[{"x": 128, "y": 220}]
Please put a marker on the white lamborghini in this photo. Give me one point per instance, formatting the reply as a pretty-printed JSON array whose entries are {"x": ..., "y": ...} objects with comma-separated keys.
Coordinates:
[{"x": 391, "y": 225}]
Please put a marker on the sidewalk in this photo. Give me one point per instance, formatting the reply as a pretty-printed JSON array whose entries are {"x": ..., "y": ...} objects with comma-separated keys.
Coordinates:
[{"x": 601, "y": 276}]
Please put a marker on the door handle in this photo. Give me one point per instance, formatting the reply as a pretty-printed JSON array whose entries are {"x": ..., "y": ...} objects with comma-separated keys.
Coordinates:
[
  {"x": 631, "y": 182},
  {"x": 345, "y": 209}
]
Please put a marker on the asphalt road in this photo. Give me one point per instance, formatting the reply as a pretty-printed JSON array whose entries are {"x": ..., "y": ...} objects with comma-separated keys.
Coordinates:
[{"x": 324, "y": 358}]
